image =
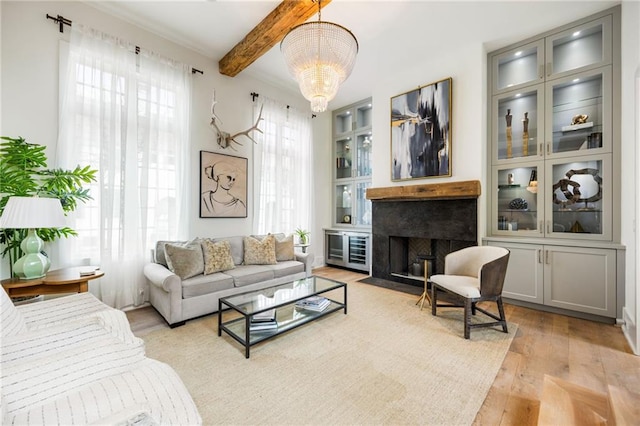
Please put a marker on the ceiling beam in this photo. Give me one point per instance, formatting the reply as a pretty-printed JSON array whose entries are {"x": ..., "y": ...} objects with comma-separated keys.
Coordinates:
[{"x": 267, "y": 33}]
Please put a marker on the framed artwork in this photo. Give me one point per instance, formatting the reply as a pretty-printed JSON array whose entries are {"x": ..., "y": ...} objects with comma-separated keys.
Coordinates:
[
  {"x": 223, "y": 185},
  {"x": 421, "y": 132}
]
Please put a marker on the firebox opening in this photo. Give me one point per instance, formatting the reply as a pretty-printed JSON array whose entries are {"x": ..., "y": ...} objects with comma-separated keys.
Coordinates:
[{"x": 407, "y": 257}]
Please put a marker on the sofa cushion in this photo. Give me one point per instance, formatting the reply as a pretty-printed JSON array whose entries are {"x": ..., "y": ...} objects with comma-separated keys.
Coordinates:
[
  {"x": 159, "y": 252},
  {"x": 258, "y": 252},
  {"x": 237, "y": 248},
  {"x": 217, "y": 256},
  {"x": 288, "y": 267},
  {"x": 284, "y": 248},
  {"x": 206, "y": 284},
  {"x": 250, "y": 274},
  {"x": 186, "y": 260},
  {"x": 12, "y": 322}
]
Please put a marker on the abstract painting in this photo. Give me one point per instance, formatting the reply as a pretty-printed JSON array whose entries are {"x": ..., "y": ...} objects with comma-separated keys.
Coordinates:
[
  {"x": 223, "y": 185},
  {"x": 421, "y": 132}
]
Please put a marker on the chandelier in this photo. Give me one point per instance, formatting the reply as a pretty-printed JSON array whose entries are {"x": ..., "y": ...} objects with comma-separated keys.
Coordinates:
[{"x": 320, "y": 56}]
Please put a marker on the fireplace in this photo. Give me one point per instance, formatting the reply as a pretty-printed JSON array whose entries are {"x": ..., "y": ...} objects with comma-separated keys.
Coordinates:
[{"x": 411, "y": 224}]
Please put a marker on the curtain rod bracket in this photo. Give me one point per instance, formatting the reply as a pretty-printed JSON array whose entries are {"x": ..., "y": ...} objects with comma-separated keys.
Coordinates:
[{"x": 60, "y": 20}]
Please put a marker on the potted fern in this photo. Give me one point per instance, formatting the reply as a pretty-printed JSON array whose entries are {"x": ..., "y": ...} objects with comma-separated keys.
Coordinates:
[{"x": 24, "y": 172}]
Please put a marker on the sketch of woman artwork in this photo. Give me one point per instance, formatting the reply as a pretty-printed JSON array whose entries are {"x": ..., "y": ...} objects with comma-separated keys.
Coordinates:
[{"x": 222, "y": 184}]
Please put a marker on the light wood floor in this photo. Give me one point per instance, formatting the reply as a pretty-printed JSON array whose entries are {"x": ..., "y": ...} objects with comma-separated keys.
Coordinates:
[{"x": 586, "y": 353}]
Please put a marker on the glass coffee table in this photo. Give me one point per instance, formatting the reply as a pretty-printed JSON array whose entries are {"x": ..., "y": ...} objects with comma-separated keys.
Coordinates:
[{"x": 274, "y": 310}]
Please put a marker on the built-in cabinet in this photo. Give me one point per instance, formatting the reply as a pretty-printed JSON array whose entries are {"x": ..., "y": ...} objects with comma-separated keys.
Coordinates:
[
  {"x": 352, "y": 140},
  {"x": 553, "y": 114},
  {"x": 568, "y": 277},
  {"x": 349, "y": 249}
]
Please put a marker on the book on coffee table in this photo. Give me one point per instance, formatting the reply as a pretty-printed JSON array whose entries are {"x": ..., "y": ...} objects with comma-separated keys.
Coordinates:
[
  {"x": 314, "y": 303},
  {"x": 266, "y": 316}
]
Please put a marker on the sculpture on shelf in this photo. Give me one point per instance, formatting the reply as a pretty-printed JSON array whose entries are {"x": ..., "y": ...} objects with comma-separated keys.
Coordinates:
[
  {"x": 525, "y": 135},
  {"x": 595, "y": 173},
  {"x": 224, "y": 138},
  {"x": 509, "y": 118},
  {"x": 571, "y": 196},
  {"x": 579, "y": 119}
]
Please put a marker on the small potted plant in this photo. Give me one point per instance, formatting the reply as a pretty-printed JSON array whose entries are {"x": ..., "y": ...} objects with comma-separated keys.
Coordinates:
[{"x": 303, "y": 235}]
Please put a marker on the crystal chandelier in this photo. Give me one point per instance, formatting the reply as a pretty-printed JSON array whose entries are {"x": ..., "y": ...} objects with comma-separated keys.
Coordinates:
[{"x": 320, "y": 56}]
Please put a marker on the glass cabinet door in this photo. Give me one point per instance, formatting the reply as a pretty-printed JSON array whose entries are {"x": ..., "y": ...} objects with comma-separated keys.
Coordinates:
[
  {"x": 364, "y": 116},
  {"x": 518, "y": 67},
  {"x": 344, "y": 157},
  {"x": 579, "y": 114},
  {"x": 579, "y": 192},
  {"x": 579, "y": 48},
  {"x": 343, "y": 122},
  {"x": 344, "y": 203},
  {"x": 335, "y": 247},
  {"x": 363, "y": 205},
  {"x": 518, "y": 128},
  {"x": 518, "y": 208},
  {"x": 363, "y": 154}
]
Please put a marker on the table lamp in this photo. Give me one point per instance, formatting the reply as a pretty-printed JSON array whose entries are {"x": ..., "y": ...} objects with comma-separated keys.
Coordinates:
[{"x": 31, "y": 213}]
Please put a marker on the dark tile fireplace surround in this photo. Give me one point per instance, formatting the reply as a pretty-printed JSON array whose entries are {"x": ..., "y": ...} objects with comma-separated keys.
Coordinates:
[{"x": 415, "y": 223}]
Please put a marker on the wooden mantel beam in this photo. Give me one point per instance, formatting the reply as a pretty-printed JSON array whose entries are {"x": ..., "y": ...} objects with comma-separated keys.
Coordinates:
[
  {"x": 267, "y": 33},
  {"x": 448, "y": 190}
]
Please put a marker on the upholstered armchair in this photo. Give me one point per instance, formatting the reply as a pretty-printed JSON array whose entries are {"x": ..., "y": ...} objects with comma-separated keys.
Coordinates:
[{"x": 472, "y": 275}]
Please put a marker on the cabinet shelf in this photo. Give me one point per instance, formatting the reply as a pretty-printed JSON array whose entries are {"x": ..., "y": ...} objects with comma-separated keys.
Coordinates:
[{"x": 574, "y": 127}]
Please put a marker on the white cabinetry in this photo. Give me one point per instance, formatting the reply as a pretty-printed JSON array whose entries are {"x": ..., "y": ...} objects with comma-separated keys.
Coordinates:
[
  {"x": 554, "y": 119},
  {"x": 352, "y": 141},
  {"x": 574, "y": 278}
]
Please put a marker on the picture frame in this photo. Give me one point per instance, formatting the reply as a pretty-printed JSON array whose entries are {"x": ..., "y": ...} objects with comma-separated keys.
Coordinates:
[
  {"x": 421, "y": 132},
  {"x": 223, "y": 185}
]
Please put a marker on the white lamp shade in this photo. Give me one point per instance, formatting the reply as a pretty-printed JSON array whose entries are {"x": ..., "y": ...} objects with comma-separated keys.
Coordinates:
[{"x": 32, "y": 212}]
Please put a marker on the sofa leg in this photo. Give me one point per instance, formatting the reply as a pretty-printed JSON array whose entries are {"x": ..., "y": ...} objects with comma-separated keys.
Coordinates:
[{"x": 177, "y": 324}]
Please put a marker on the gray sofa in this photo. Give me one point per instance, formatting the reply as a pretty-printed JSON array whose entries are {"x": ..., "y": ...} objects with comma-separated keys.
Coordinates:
[{"x": 178, "y": 299}]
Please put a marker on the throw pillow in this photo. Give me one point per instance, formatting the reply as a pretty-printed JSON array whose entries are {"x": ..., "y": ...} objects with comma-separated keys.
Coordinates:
[
  {"x": 186, "y": 260},
  {"x": 159, "y": 252},
  {"x": 258, "y": 252},
  {"x": 284, "y": 248},
  {"x": 217, "y": 256}
]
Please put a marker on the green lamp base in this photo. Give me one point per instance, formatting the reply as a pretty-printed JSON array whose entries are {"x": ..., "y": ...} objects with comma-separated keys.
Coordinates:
[{"x": 33, "y": 264}]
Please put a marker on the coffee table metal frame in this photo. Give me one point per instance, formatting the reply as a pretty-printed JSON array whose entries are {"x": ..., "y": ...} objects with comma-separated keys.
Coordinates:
[{"x": 282, "y": 298}]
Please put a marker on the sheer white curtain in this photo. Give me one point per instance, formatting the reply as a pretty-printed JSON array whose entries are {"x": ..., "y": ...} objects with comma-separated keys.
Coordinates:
[
  {"x": 283, "y": 164},
  {"x": 127, "y": 116}
]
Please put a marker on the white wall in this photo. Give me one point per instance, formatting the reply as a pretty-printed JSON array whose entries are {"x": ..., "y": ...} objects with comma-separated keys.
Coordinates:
[{"x": 29, "y": 91}]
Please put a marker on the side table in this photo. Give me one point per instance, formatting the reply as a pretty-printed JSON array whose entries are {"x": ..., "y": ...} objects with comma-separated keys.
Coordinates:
[
  {"x": 302, "y": 246},
  {"x": 67, "y": 280}
]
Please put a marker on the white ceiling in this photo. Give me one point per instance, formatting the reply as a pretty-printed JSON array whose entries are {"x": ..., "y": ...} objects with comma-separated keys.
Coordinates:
[{"x": 388, "y": 32}]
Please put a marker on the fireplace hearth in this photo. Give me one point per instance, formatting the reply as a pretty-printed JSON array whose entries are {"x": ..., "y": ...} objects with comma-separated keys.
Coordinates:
[{"x": 411, "y": 224}]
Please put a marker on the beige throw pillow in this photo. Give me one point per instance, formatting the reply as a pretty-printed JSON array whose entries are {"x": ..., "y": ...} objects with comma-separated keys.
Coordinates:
[
  {"x": 258, "y": 252},
  {"x": 284, "y": 248},
  {"x": 217, "y": 256},
  {"x": 186, "y": 260}
]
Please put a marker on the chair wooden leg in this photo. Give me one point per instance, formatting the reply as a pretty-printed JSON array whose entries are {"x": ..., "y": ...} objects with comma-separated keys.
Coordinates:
[
  {"x": 502, "y": 317},
  {"x": 467, "y": 319}
]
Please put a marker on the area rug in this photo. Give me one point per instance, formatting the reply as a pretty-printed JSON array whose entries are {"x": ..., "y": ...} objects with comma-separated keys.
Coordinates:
[{"x": 385, "y": 362}]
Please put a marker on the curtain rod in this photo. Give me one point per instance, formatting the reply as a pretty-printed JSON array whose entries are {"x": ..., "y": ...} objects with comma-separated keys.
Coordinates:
[
  {"x": 62, "y": 21},
  {"x": 254, "y": 95}
]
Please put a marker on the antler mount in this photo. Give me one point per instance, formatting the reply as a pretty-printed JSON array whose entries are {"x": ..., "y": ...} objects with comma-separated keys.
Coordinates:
[{"x": 225, "y": 139}]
